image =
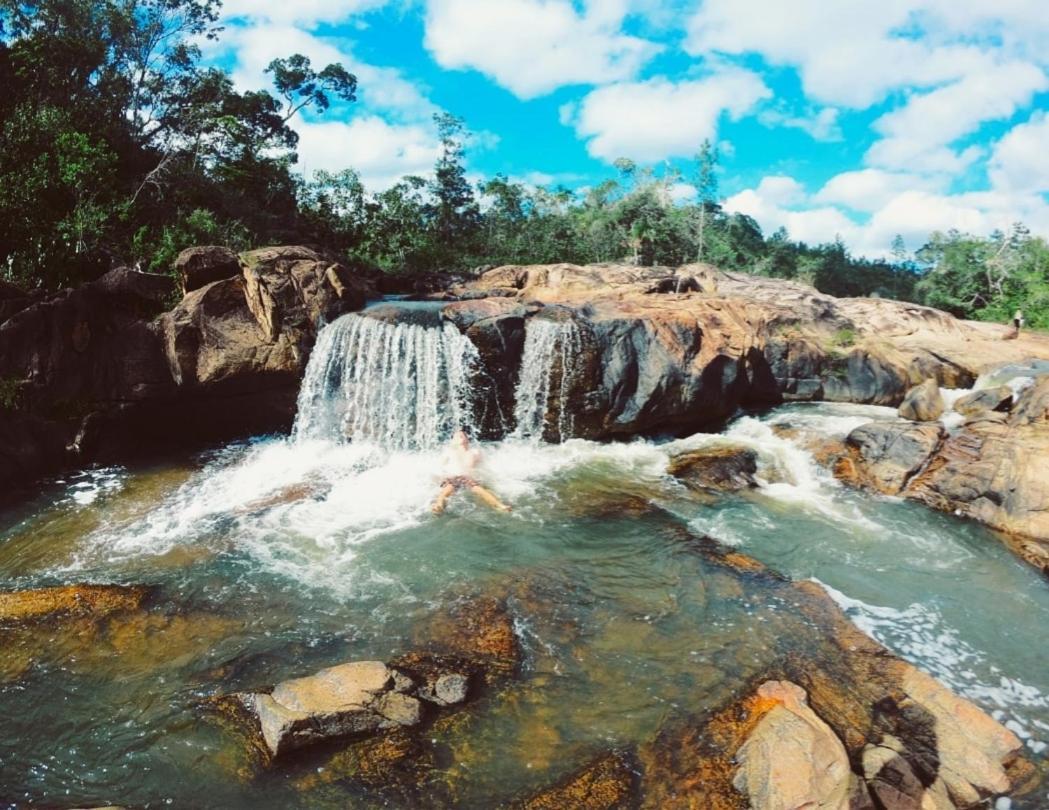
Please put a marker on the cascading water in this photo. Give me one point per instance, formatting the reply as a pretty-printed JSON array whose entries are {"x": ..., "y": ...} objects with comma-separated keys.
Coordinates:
[
  {"x": 550, "y": 350},
  {"x": 401, "y": 385}
]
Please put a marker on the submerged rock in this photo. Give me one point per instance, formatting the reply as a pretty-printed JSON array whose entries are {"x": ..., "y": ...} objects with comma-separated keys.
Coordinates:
[
  {"x": 725, "y": 469},
  {"x": 478, "y": 631},
  {"x": 607, "y": 783},
  {"x": 923, "y": 403},
  {"x": 70, "y": 601}
]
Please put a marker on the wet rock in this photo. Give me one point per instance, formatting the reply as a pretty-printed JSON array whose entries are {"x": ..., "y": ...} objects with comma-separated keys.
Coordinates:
[
  {"x": 923, "y": 403},
  {"x": 355, "y": 698},
  {"x": 395, "y": 762},
  {"x": 883, "y": 456},
  {"x": 987, "y": 399},
  {"x": 197, "y": 267},
  {"x": 441, "y": 680},
  {"x": 478, "y": 631},
  {"x": 606, "y": 783},
  {"x": 791, "y": 758},
  {"x": 70, "y": 601},
  {"x": 724, "y": 469}
]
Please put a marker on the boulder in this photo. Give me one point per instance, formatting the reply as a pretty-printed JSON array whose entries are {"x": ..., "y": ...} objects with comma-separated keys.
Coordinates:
[
  {"x": 883, "y": 456},
  {"x": 986, "y": 399},
  {"x": 356, "y": 698},
  {"x": 478, "y": 632},
  {"x": 791, "y": 758},
  {"x": 923, "y": 403},
  {"x": 723, "y": 469},
  {"x": 197, "y": 267}
]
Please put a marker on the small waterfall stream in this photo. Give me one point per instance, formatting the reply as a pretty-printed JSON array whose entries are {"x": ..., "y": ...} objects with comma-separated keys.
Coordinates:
[
  {"x": 550, "y": 350},
  {"x": 401, "y": 385}
]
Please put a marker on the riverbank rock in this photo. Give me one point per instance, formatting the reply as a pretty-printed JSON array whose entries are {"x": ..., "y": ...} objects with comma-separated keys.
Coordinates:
[
  {"x": 991, "y": 469},
  {"x": 923, "y": 403},
  {"x": 883, "y": 456},
  {"x": 723, "y": 469},
  {"x": 987, "y": 399},
  {"x": 69, "y": 601},
  {"x": 830, "y": 719}
]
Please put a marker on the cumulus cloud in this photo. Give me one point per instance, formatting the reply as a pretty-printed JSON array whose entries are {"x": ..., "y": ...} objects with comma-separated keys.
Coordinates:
[
  {"x": 893, "y": 208},
  {"x": 532, "y": 47},
  {"x": 658, "y": 118},
  {"x": 379, "y": 151},
  {"x": 871, "y": 189},
  {"x": 1020, "y": 160},
  {"x": 300, "y": 12},
  {"x": 821, "y": 124}
]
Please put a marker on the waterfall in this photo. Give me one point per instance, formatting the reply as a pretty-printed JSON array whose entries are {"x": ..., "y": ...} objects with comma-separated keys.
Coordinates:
[
  {"x": 401, "y": 385},
  {"x": 550, "y": 350}
]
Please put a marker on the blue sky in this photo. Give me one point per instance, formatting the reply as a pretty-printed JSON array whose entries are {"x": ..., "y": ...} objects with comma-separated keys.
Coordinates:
[{"x": 851, "y": 118}]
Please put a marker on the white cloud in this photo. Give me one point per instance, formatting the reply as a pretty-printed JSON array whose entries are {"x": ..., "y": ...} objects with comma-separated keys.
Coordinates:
[
  {"x": 871, "y": 189},
  {"x": 1020, "y": 160},
  {"x": 298, "y": 12},
  {"x": 913, "y": 213},
  {"x": 532, "y": 47},
  {"x": 380, "y": 152},
  {"x": 658, "y": 118},
  {"x": 821, "y": 124},
  {"x": 917, "y": 135}
]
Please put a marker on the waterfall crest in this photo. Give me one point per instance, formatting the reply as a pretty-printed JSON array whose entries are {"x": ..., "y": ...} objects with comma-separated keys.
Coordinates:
[
  {"x": 401, "y": 385},
  {"x": 547, "y": 365}
]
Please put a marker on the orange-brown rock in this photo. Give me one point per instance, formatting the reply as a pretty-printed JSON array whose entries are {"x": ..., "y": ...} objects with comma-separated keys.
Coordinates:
[
  {"x": 721, "y": 468},
  {"x": 477, "y": 630},
  {"x": 70, "y": 601},
  {"x": 606, "y": 783}
]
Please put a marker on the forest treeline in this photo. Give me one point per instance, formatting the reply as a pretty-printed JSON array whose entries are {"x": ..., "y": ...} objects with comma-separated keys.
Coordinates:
[{"x": 120, "y": 145}]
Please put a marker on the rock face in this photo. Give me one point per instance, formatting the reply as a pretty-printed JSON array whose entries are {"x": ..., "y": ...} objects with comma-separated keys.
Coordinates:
[
  {"x": 196, "y": 267},
  {"x": 103, "y": 371},
  {"x": 992, "y": 469},
  {"x": 607, "y": 783},
  {"x": 646, "y": 356},
  {"x": 923, "y": 403},
  {"x": 724, "y": 469}
]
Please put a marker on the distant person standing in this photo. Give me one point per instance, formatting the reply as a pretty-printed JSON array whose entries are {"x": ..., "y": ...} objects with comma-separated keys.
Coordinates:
[{"x": 1018, "y": 321}]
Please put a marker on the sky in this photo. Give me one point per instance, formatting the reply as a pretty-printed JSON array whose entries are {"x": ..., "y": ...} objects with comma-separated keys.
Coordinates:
[{"x": 858, "y": 119}]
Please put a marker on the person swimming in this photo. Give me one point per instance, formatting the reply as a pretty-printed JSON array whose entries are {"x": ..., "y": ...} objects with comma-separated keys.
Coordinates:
[{"x": 460, "y": 460}]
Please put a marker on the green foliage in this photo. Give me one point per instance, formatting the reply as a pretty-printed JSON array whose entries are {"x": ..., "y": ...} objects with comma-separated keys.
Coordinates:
[{"x": 10, "y": 392}]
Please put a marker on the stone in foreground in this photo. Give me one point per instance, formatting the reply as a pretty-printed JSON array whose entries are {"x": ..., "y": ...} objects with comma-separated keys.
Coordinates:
[
  {"x": 724, "y": 469},
  {"x": 356, "y": 698},
  {"x": 41, "y": 604}
]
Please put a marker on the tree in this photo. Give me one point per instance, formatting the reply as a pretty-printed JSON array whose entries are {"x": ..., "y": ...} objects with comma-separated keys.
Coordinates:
[
  {"x": 454, "y": 211},
  {"x": 706, "y": 185},
  {"x": 301, "y": 86}
]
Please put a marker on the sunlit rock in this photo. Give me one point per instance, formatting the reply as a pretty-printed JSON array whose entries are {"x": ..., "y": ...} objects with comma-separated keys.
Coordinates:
[
  {"x": 70, "y": 601},
  {"x": 986, "y": 399},
  {"x": 923, "y": 403},
  {"x": 722, "y": 468}
]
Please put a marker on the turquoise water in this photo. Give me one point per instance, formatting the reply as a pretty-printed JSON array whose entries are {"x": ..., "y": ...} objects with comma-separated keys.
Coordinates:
[{"x": 623, "y": 624}]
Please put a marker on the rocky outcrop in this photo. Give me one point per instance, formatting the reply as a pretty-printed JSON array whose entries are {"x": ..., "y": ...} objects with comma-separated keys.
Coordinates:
[
  {"x": 649, "y": 357},
  {"x": 196, "y": 267},
  {"x": 721, "y": 469},
  {"x": 991, "y": 469},
  {"x": 103, "y": 371},
  {"x": 832, "y": 721},
  {"x": 923, "y": 403}
]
